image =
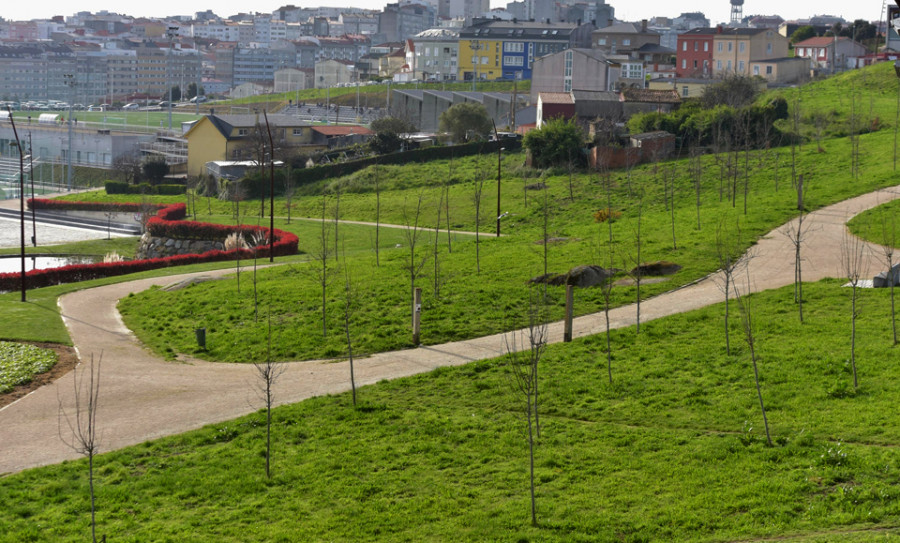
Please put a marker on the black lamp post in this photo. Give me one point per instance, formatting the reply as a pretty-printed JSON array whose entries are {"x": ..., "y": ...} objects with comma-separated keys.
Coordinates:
[{"x": 18, "y": 146}]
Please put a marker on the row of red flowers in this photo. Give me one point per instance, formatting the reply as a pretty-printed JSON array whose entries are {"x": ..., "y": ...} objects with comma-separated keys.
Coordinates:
[{"x": 166, "y": 223}]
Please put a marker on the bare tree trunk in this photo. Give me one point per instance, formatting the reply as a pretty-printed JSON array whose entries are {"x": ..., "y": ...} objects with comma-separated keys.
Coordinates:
[
  {"x": 268, "y": 373},
  {"x": 854, "y": 263},
  {"x": 349, "y": 306},
  {"x": 888, "y": 242},
  {"x": 83, "y": 435},
  {"x": 377, "y": 215},
  {"x": 697, "y": 171},
  {"x": 447, "y": 204},
  {"x": 607, "y": 286},
  {"x": 747, "y": 321},
  {"x": 728, "y": 246},
  {"x": 337, "y": 220},
  {"x": 479, "y": 186},
  {"x": 524, "y": 368},
  {"x": 437, "y": 233},
  {"x": 672, "y": 210}
]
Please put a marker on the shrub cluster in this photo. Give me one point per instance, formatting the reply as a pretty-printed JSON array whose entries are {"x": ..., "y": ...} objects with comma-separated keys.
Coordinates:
[
  {"x": 170, "y": 212},
  {"x": 166, "y": 223},
  {"x": 120, "y": 187}
]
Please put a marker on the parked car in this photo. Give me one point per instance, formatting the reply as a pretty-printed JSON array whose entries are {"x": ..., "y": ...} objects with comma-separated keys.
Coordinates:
[
  {"x": 164, "y": 104},
  {"x": 198, "y": 99},
  {"x": 131, "y": 107}
]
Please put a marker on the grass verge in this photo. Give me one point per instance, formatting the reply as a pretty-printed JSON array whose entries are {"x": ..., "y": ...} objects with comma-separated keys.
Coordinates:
[{"x": 671, "y": 450}]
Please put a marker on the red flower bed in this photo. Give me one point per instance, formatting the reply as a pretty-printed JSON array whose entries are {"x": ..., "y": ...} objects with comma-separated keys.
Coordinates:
[{"x": 166, "y": 223}]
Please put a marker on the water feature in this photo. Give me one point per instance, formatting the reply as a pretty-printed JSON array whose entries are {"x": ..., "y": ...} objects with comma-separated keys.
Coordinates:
[{"x": 13, "y": 263}]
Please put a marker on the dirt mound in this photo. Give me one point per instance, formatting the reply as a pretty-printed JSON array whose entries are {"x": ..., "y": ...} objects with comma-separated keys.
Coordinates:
[
  {"x": 655, "y": 269},
  {"x": 579, "y": 276}
]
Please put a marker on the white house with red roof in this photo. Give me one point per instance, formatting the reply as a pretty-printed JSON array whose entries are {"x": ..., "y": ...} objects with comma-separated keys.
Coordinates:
[{"x": 830, "y": 53}]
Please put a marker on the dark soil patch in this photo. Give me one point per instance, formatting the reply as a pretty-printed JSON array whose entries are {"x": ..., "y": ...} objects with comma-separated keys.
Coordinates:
[{"x": 67, "y": 360}]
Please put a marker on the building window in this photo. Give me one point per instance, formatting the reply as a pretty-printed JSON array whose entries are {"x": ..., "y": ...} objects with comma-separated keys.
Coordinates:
[
  {"x": 242, "y": 132},
  {"x": 719, "y": 47},
  {"x": 730, "y": 46},
  {"x": 756, "y": 70},
  {"x": 706, "y": 46},
  {"x": 768, "y": 70},
  {"x": 513, "y": 61},
  {"x": 741, "y": 66},
  {"x": 298, "y": 132},
  {"x": 769, "y": 48},
  {"x": 633, "y": 71},
  {"x": 729, "y": 66},
  {"x": 684, "y": 91},
  {"x": 741, "y": 46},
  {"x": 718, "y": 64},
  {"x": 601, "y": 41},
  {"x": 626, "y": 41},
  {"x": 684, "y": 46},
  {"x": 696, "y": 45},
  {"x": 684, "y": 64}
]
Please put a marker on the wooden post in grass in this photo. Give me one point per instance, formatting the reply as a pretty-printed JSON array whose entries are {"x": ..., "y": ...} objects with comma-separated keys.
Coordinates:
[
  {"x": 570, "y": 301},
  {"x": 417, "y": 314}
]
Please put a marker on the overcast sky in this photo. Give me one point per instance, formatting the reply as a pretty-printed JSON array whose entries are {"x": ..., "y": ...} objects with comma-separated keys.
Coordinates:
[{"x": 716, "y": 11}]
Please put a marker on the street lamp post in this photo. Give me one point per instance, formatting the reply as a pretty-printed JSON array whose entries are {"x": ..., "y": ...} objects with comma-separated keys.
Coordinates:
[
  {"x": 70, "y": 173},
  {"x": 31, "y": 178},
  {"x": 170, "y": 34},
  {"x": 18, "y": 146},
  {"x": 499, "y": 161}
]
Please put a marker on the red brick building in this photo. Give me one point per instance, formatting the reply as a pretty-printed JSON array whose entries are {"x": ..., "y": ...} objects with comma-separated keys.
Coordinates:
[{"x": 694, "y": 54}]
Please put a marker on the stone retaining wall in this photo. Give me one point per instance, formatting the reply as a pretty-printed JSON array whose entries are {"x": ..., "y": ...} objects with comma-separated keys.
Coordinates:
[{"x": 159, "y": 247}]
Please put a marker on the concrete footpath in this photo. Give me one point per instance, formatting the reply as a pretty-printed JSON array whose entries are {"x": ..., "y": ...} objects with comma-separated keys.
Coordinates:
[{"x": 143, "y": 397}]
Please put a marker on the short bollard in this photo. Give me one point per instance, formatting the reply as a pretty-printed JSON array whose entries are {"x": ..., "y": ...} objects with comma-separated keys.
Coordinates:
[{"x": 201, "y": 337}]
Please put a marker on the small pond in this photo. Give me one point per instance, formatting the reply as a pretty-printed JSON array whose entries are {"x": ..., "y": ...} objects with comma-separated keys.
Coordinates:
[{"x": 13, "y": 263}]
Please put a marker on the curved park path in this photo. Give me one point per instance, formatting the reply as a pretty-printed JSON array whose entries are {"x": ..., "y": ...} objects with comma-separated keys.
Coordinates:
[{"x": 143, "y": 397}]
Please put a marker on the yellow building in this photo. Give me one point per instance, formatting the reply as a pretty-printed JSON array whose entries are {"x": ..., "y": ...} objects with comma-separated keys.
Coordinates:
[
  {"x": 233, "y": 137},
  {"x": 479, "y": 59},
  {"x": 495, "y": 49}
]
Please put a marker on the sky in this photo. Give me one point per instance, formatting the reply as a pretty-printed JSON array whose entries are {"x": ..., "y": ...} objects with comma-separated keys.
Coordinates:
[{"x": 631, "y": 10}]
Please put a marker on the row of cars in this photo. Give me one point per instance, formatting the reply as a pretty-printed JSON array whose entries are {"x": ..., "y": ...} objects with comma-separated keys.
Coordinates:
[{"x": 58, "y": 105}]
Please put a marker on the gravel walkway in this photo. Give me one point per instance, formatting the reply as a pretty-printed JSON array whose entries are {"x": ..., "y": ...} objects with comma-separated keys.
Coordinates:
[{"x": 143, "y": 397}]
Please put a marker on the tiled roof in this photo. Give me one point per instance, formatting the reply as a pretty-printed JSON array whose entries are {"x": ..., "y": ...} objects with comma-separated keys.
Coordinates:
[
  {"x": 342, "y": 130},
  {"x": 651, "y": 95},
  {"x": 556, "y": 98},
  {"x": 819, "y": 42}
]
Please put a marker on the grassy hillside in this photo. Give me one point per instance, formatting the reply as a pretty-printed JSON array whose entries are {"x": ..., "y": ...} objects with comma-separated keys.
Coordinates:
[{"x": 672, "y": 450}]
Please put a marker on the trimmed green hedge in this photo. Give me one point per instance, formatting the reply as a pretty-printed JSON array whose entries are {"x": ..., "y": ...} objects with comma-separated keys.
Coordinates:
[{"x": 120, "y": 187}]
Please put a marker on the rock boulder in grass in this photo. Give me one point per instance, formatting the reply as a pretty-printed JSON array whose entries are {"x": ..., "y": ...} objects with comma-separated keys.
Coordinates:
[{"x": 655, "y": 269}]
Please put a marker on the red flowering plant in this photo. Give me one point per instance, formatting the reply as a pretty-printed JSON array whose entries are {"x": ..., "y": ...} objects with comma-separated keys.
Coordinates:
[{"x": 166, "y": 223}]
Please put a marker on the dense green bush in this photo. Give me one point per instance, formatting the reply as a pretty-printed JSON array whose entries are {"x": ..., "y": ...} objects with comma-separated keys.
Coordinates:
[
  {"x": 119, "y": 187},
  {"x": 556, "y": 142},
  {"x": 696, "y": 125}
]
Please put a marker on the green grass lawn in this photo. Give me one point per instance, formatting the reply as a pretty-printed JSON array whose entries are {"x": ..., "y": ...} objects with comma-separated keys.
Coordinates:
[
  {"x": 673, "y": 450},
  {"x": 879, "y": 225},
  {"x": 469, "y": 303}
]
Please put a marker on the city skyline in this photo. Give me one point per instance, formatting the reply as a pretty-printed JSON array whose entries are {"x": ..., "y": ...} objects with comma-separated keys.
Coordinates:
[{"x": 715, "y": 10}]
